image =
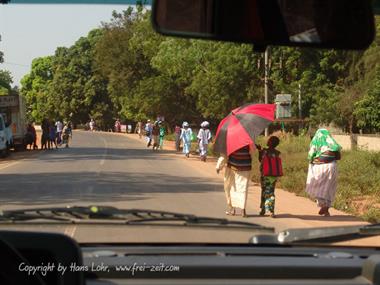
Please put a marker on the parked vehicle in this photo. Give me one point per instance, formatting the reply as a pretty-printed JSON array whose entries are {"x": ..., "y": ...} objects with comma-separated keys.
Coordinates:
[
  {"x": 12, "y": 110},
  {"x": 3, "y": 138}
]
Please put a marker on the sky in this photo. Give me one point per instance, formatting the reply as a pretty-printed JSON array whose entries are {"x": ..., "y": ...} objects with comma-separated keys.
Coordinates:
[{"x": 30, "y": 31}]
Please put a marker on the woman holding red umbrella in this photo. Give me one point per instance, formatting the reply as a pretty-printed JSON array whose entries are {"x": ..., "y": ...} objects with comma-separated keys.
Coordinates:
[
  {"x": 235, "y": 139},
  {"x": 236, "y": 178}
]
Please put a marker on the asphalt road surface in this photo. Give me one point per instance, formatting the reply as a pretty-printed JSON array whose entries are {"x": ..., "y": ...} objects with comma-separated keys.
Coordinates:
[{"x": 120, "y": 171}]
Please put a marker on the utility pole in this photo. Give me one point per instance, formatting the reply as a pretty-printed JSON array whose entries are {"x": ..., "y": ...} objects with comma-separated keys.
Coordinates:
[
  {"x": 266, "y": 82},
  {"x": 299, "y": 101},
  {"x": 300, "y": 105}
]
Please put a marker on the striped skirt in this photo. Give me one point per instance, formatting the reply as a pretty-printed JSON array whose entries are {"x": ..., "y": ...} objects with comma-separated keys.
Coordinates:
[{"x": 322, "y": 182}]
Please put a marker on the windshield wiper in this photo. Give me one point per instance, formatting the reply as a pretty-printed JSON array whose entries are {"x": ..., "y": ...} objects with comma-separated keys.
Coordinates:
[
  {"x": 318, "y": 235},
  {"x": 77, "y": 214}
]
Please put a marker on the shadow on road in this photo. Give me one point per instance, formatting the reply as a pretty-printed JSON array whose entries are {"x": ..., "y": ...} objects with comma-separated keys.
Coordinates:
[
  {"x": 70, "y": 187},
  {"x": 332, "y": 218},
  {"x": 93, "y": 153}
]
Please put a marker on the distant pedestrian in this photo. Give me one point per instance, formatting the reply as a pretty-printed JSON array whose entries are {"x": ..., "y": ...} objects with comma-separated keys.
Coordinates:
[
  {"x": 117, "y": 126},
  {"x": 148, "y": 133},
  {"x": 139, "y": 129},
  {"x": 66, "y": 135},
  {"x": 236, "y": 178},
  {"x": 322, "y": 176},
  {"x": 59, "y": 128},
  {"x": 156, "y": 135},
  {"x": 45, "y": 133},
  {"x": 52, "y": 136},
  {"x": 70, "y": 129},
  {"x": 204, "y": 137},
  {"x": 270, "y": 170},
  {"x": 32, "y": 131},
  {"x": 177, "y": 133},
  {"x": 186, "y": 137},
  {"x": 92, "y": 125},
  {"x": 162, "y": 134}
]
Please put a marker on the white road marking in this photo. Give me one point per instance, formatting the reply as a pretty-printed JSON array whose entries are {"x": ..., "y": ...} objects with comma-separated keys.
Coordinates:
[
  {"x": 70, "y": 231},
  {"x": 9, "y": 164},
  {"x": 105, "y": 151},
  {"x": 6, "y": 164}
]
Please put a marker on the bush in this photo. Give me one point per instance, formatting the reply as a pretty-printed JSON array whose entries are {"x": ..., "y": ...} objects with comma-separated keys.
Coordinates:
[{"x": 170, "y": 137}]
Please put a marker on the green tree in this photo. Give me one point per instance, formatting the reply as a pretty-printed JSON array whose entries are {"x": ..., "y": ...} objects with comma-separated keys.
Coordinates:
[
  {"x": 367, "y": 110},
  {"x": 5, "y": 82},
  {"x": 35, "y": 89}
]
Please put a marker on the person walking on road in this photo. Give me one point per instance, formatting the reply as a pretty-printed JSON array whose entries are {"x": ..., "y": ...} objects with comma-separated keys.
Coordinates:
[
  {"x": 162, "y": 134},
  {"x": 322, "y": 176},
  {"x": 204, "y": 137},
  {"x": 53, "y": 135},
  {"x": 238, "y": 172},
  {"x": 155, "y": 135},
  {"x": 67, "y": 130},
  {"x": 148, "y": 133},
  {"x": 177, "y": 132},
  {"x": 270, "y": 169},
  {"x": 139, "y": 129},
  {"x": 45, "y": 134},
  {"x": 186, "y": 136},
  {"x": 32, "y": 131},
  {"x": 92, "y": 125},
  {"x": 117, "y": 126},
  {"x": 59, "y": 128},
  {"x": 70, "y": 129}
]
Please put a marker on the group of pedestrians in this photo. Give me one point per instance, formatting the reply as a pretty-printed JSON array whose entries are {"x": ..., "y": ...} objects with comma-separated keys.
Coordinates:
[
  {"x": 55, "y": 134},
  {"x": 321, "y": 179},
  {"x": 238, "y": 173},
  {"x": 154, "y": 134},
  {"x": 185, "y": 136}
]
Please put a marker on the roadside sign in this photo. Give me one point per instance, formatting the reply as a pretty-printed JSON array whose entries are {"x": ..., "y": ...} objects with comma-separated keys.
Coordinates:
[
  {"x": 9, "y": 101},
  {"x": 283, "y": 106}
]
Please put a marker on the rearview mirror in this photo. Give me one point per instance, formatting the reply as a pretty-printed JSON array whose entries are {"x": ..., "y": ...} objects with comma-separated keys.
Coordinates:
[{"x": 344, "y": 24}]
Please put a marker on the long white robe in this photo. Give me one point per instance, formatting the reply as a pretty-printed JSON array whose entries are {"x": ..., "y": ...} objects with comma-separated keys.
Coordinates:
[{"x": 236, "y": 184}]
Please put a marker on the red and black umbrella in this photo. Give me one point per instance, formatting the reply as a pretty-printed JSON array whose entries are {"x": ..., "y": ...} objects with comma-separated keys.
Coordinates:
[{"x": 241, "y": 127}]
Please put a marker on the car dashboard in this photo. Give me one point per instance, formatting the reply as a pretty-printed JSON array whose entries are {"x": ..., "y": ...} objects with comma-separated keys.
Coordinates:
[{"x": 102, "y": 264}]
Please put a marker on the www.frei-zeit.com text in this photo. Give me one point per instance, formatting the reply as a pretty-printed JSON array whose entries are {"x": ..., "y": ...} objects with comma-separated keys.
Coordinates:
[{"x": 134, "y": 268}]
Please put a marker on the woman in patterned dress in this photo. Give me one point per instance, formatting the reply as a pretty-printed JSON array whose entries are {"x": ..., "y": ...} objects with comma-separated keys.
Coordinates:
[{"x": 323, "y": 173}]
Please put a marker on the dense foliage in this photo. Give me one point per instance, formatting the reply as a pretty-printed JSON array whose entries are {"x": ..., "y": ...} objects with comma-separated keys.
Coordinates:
[{"x": 125, "y": 70}]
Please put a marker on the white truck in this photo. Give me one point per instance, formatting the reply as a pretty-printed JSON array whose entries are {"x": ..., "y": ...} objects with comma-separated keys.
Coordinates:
[
  {"x": 3, "y": 138},
  {"x": 12, "y": 110}
]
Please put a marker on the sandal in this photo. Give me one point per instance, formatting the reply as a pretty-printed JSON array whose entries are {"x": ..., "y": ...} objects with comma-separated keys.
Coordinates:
[
  {"x": 230, "y": 212},
  {"x": 322, "y": 211}
]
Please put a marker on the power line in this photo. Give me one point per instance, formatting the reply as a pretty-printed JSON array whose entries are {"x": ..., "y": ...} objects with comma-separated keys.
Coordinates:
[{"x": 18, "y": 64}]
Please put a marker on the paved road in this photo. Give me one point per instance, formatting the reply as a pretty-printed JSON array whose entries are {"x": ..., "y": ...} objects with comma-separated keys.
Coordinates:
[{"x": 118, "y": 170}]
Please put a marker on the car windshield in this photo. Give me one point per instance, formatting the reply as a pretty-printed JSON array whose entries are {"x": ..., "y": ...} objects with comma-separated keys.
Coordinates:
[{"x": 101, "y": 111}]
